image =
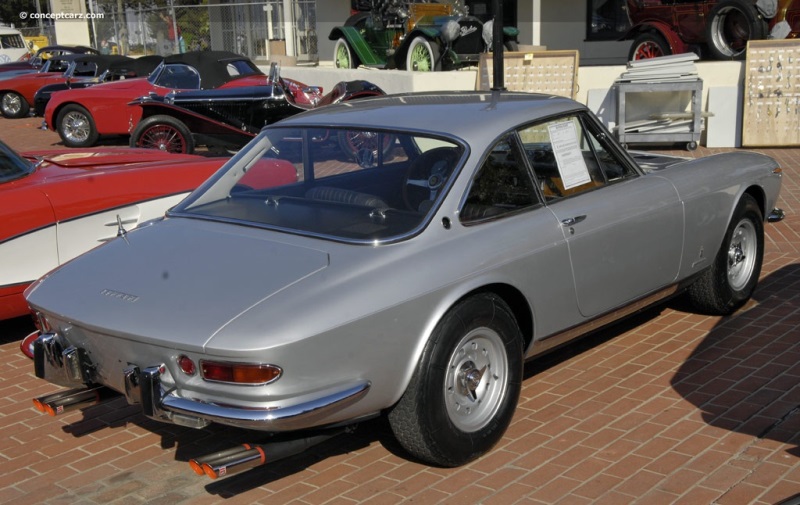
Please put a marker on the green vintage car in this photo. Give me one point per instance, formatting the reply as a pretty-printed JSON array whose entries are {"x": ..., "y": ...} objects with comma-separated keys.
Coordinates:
[{"x": 414, "y": 35}]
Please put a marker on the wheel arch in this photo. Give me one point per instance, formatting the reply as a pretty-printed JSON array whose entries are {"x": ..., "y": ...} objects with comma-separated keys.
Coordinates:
[
  {"x": 759, "y": 195},
  {"x": 515, "y": 300},
  {"x": 676, "y": 45},
  {"x": 57, "y": 110},
  {"x": 358, "y": 45}
]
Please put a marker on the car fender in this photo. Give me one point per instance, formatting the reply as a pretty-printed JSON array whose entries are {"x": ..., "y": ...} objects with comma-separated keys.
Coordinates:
[
  {"x": 357, "y": 43},
  {"x": 709, "y": 203},
  {"x": 197, "y": 123}
]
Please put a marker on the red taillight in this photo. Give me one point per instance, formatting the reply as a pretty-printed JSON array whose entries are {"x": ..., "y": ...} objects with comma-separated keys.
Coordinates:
[
  {"x": 236, "y": 373},
  {"x": 186, "y": 365}
]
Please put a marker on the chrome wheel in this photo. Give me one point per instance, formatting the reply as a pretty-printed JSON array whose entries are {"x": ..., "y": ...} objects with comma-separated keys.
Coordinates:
[
  {"x": 730, "y": 31},
  {"x": 476, "y": 380},
  {"x": 12, "y": 104},
  {"x": 742, "y": 254},
  {"x": 76, "y": 127}
]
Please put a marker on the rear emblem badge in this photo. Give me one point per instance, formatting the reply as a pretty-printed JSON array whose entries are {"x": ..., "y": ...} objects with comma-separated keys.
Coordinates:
[{"x": 125, "y": 297}]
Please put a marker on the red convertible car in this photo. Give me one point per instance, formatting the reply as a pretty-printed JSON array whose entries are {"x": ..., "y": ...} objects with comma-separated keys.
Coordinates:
[
  {"x": 17, "y": 92},
  {"x": 58, "y": 204},
  {"x": 81, "y": 116}
]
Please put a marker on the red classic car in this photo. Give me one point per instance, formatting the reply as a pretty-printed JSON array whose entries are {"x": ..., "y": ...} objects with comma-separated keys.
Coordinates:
[
  {"x": 58, "y": 204},
  {"x": 719, "y": 28},
  {"x": 81, "y": 116},
  {"x": 17, "y": 92}
]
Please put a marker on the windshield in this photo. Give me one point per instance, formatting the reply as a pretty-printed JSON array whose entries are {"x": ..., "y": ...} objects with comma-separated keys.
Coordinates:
[
  {"x": 343, "y": 184},
  {"x": 12, "y": 165}
]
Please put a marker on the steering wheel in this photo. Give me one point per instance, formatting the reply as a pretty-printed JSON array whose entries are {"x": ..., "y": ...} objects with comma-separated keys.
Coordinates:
[{"x": 427, "y": 175}]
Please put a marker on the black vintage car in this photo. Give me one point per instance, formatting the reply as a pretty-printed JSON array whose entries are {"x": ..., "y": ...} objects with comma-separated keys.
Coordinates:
[
  {"x": 110, "y": 68},
  {"x": 229, "y": 118}
]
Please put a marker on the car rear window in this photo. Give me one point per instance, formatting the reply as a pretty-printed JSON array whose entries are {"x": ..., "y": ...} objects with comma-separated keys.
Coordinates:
[{"x": 343, "y": 184}]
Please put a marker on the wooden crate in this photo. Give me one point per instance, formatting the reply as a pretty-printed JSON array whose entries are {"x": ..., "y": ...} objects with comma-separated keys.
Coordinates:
[
  {"x": 550, "y": 72},
  {"x": 771, "y": 112}
]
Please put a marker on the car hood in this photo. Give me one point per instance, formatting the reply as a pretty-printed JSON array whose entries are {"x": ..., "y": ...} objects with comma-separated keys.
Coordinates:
[{"x": 174, "y": 284}]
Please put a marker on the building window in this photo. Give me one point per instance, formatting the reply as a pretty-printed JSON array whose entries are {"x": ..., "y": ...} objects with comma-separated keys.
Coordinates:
[{"x": 606, "y": 19}]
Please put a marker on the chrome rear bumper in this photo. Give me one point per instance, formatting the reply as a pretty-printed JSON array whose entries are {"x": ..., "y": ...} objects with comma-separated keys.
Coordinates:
[{"x": 69, "y": 366}]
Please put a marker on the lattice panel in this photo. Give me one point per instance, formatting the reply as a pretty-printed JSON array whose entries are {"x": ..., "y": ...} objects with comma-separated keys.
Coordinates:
[
  {"x": 550, "y": 72},
  {"x": 771, "y": 113}
]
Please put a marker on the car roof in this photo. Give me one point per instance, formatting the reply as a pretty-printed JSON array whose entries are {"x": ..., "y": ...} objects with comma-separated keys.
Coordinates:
[
  {"x": 212, "y": 65},
  {"x": 103, "y": 61},
  {"x": 141, "y": 66},
  {"x": 71, "y": 49},
  {"x": 464, "y": 114}
]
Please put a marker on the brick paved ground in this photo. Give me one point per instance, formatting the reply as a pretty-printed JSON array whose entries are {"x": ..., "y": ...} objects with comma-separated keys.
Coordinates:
[{"x": 669, "y": 407}]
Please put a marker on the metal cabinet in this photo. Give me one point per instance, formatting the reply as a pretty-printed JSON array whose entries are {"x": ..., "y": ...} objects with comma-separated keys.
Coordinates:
[{"x": 691, "y": 137}]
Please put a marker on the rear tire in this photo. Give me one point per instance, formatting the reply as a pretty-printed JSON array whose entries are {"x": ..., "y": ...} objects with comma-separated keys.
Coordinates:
[
  {"x": 649, "y": 45},
  {"x": 164, "y": 133},
  {"x": 76, "y": 127},
  {"x": 466, "y": 385},
  {"x": 730, "y": 281},
  {"x": 343, "y": 55}
]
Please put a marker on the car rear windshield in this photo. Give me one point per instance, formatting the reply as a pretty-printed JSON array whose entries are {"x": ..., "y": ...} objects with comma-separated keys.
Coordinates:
[{"x": 344, "y": 184}]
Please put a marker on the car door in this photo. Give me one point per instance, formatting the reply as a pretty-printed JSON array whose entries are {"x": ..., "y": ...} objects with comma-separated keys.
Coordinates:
[
  {"x": 624, "y": 230},
  {"x": 509, "y": 220}
]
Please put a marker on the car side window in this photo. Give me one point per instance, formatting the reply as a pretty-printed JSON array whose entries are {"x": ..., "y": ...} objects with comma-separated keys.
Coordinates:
[
  {"x": 501, "y": 186},
  {"x": 179, "y": 77},
  {"x": 569, "y": 159}
]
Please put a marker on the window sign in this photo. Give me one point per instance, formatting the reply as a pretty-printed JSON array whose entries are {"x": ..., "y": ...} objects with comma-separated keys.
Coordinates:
[{"x": 571, "y": 164}]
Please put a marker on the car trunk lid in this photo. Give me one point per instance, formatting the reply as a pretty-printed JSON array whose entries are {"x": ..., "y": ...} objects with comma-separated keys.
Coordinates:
[{"x": 176, "y": 284}]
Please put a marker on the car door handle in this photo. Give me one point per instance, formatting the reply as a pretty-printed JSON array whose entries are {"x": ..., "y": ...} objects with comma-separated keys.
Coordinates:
[{"x": 572, "y": 220}]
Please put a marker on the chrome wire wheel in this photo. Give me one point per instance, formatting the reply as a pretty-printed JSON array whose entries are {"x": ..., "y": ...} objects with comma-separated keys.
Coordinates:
[
  {"x": 742, "y": 254},
  {"x": 163, "y": 137},
  {"x": 12, "y": 104},
  {"x": 476, "y": 380},
  {"x": 76, "y": 127},
  {"x": 423, "y": 56}
]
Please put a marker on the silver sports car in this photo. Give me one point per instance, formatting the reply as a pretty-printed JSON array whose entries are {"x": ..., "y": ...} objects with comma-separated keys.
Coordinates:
[{"x": 469, "y": 232}]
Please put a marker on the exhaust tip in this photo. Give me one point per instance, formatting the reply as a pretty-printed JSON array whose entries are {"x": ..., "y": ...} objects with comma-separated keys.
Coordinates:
[{"x": 197, "y": 467}]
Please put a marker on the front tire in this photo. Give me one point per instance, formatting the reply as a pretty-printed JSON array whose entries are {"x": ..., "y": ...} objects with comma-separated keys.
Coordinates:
[
  {"x": 164, "y": 133},
  {"x": 76, "y": 126},
  {"x": 13, "y": 105},
  {"x": 732, "y": 278},
  {"x": 465, "y": 387},
  {"x": 423, "y": 56}
]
